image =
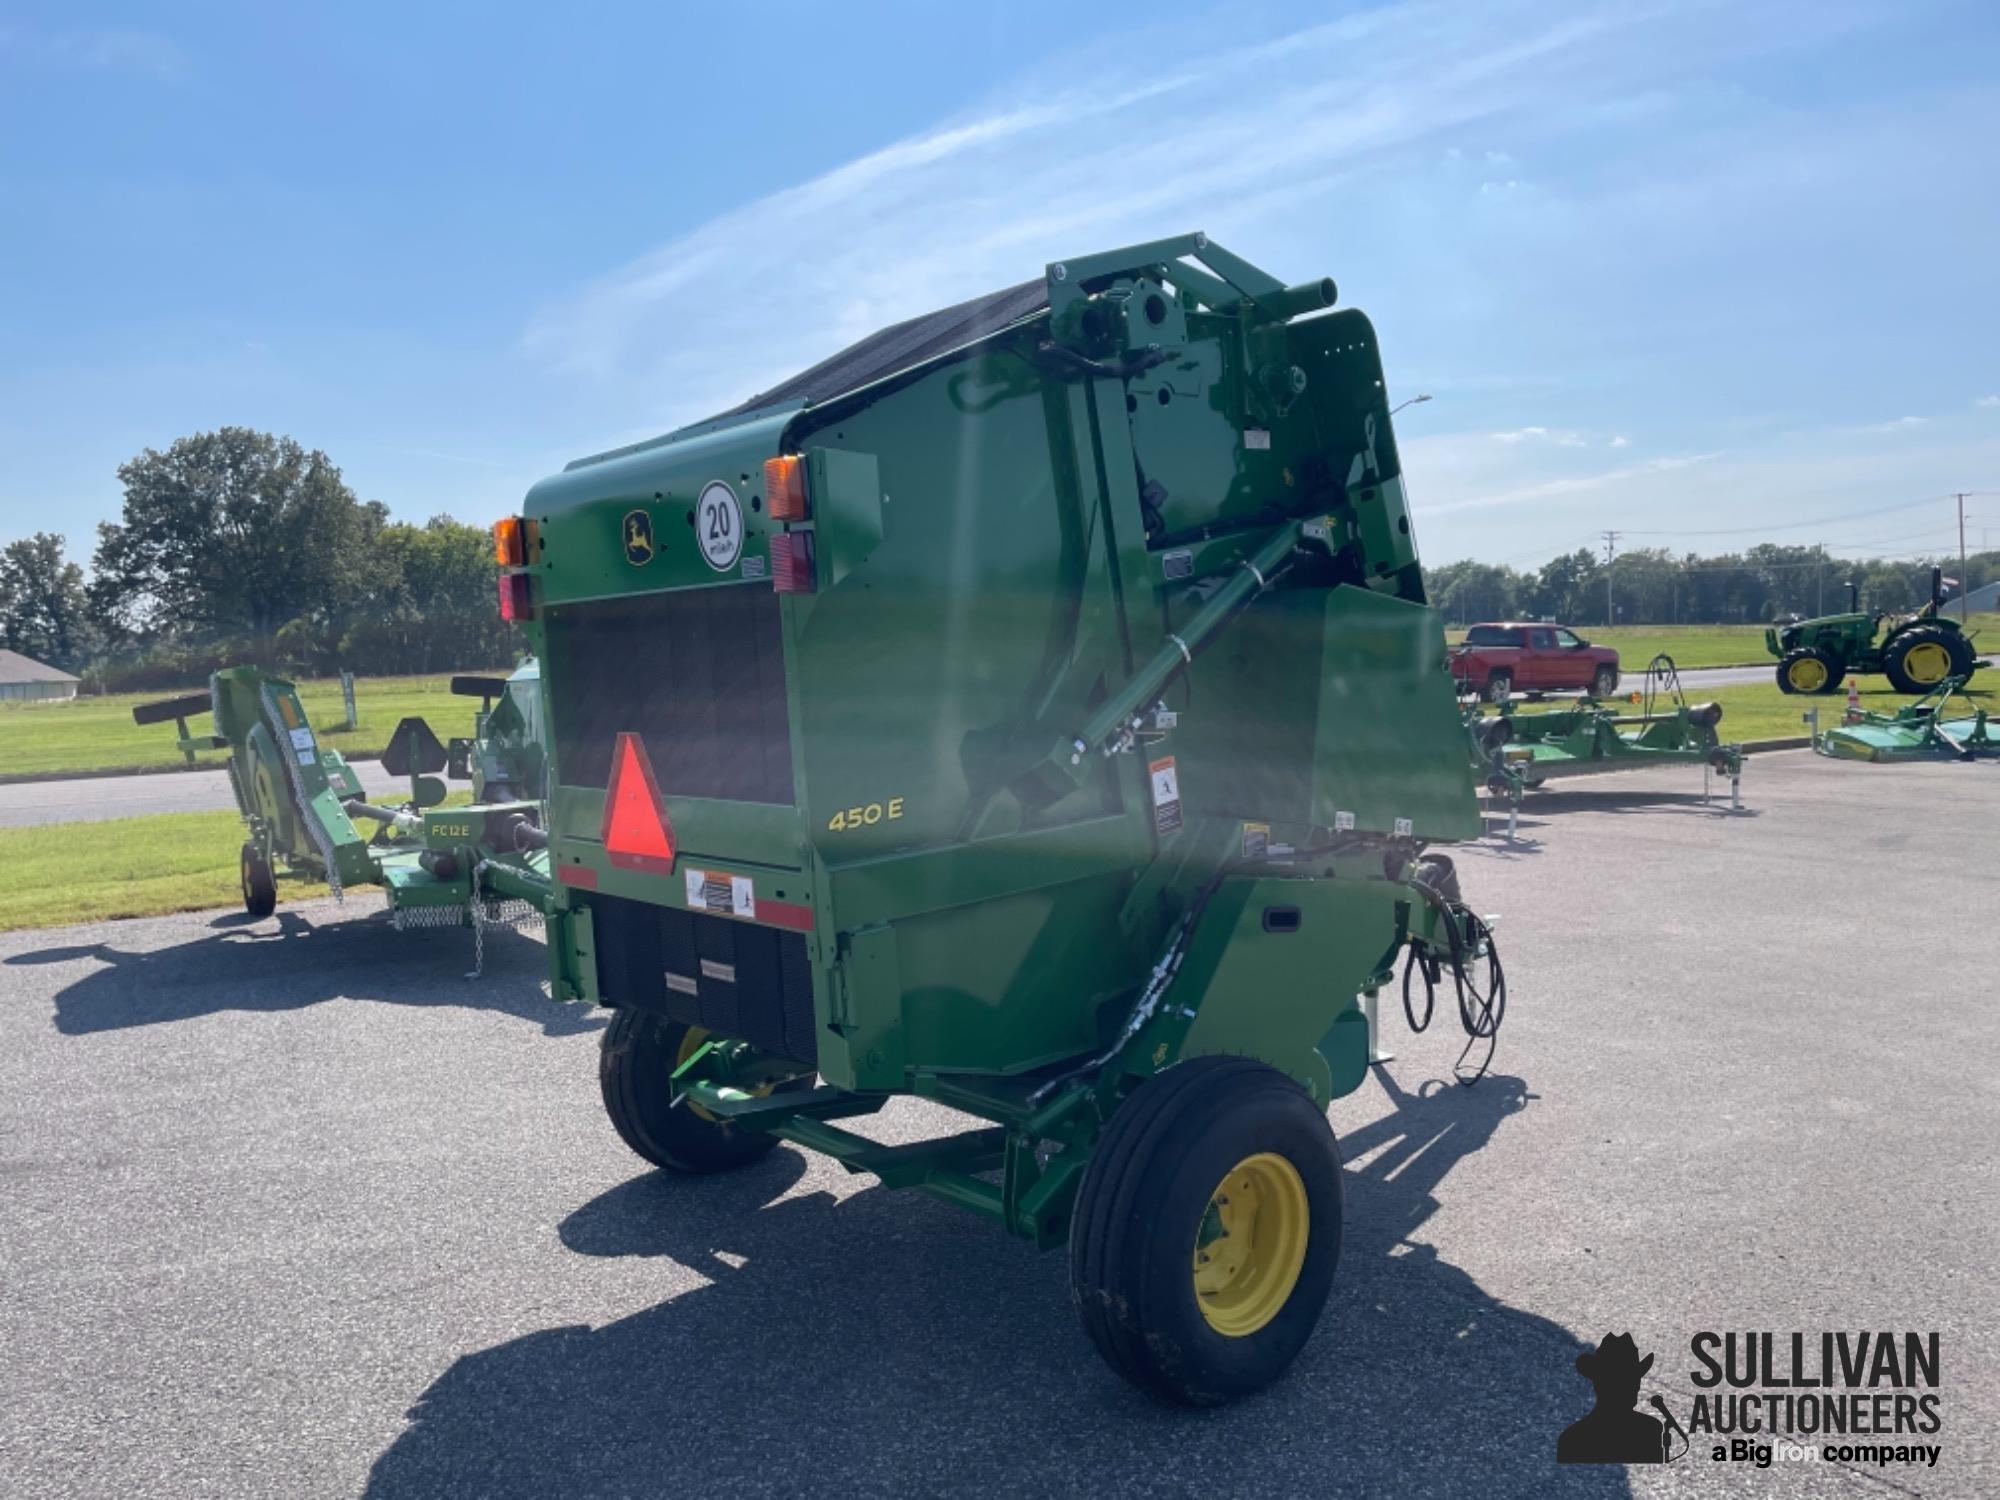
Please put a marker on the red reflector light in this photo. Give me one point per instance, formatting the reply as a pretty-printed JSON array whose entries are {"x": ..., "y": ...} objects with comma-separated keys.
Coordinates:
[
  {"x": 785, "y": 488},
  {"x": 510, "y": 547},
  {"x": 792, "y": 562},
  {"x": 637, "y": 833},
  {"x": 517, "y": 597}
]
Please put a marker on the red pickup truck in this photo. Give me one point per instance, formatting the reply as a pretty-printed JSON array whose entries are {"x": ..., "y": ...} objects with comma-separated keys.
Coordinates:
[{"x": 1496, "y": 660}]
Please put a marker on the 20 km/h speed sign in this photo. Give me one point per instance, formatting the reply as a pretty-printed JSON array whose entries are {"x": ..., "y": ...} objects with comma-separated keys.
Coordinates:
[{"x": 718, "y": 525}]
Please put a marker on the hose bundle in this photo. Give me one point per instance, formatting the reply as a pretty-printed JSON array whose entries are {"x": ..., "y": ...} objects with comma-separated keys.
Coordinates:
[{"x": 1472, "y": 956}]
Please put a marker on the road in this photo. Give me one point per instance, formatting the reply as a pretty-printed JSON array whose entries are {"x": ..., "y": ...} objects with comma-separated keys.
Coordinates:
[
  {"x": 295, "y": 1210},
  {"x": 91, "y": 799}
]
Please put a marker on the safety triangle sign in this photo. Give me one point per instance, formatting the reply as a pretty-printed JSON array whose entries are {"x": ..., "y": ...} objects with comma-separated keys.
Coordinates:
[{"x": 637, "y": 832}]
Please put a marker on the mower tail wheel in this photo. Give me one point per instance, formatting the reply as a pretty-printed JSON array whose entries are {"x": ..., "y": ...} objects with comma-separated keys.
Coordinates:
[
  {"x": 635, "y": 1069},
  {"x": 260, "y": 886},
  {"x": 1809, "y": 670},
  {"x": 1921, "y": 657},
  {"x": 1207, "y": 1229}
]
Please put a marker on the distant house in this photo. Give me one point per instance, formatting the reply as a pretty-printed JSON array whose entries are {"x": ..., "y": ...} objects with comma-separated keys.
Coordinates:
[
  {"x": 22, "y": 677},
  {"x": 1981, "y": 601}
]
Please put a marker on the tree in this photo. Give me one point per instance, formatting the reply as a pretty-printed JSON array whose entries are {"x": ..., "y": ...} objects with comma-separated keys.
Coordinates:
[
  {"x": 234, "y": 531},
  {"x": 44, "y": 609}
]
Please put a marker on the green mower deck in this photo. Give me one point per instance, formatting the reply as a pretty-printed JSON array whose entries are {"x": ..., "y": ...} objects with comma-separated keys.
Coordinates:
[
  {"x": 1517, "y": 752},
  {"x": 1918, "y": 731},
  {"x": 305, "y": 813}
]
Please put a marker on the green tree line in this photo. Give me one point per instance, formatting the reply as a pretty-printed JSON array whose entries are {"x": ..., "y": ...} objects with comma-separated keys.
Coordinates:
[
  {"x": 1652, "y": 586},
  {"x": 239, "y": 546}
]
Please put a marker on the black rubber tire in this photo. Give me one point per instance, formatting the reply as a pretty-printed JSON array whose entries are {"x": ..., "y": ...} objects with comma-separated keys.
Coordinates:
[
  {"x": 1140, "y": 1207},
  {"x": 1499, "y": 687},
  {"x": 1896, "y": 652},
  {"x": 635, "y": 1067},
  {"x": 1836, "y": 671},
  {"x": 260, "y": 886},
  {"x": 1604, "y": 682}
]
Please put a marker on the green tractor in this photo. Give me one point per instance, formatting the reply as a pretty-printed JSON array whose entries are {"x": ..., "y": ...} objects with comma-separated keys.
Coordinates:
[
  {"x": 1034, "y": 708},
  {"x": 1915, "y": 651}
]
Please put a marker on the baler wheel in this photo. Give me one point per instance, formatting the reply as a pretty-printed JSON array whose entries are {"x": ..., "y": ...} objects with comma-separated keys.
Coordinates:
[
  {"x": 1207, "y": 1229},
  {"x": 635, "y": 1069},
  {"x": 260, "y": 886}
]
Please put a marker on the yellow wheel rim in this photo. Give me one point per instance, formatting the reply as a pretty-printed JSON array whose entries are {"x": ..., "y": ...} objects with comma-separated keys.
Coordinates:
[
  {"x": 1251, "y": 1245},
  {"x": 1808, "y": 674},
  {"x": 1927, "y": 663}
]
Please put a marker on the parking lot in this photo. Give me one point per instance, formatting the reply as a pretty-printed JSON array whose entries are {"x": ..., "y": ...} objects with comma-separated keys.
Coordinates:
[{"x": 295, "y": 1209}]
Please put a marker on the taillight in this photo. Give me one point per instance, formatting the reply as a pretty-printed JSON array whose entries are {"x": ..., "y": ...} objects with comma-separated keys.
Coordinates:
[
  {"x": 510, "y": 546},
  {"x": 517, "y": 598},
  {"x": 785, "y": 488},
  {"x": 792, "y": 562}
]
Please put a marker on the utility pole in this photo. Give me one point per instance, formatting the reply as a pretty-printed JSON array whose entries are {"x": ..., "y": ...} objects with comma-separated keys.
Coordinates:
[
  {"x": 1963, "y": 576},
  {"x": 1819, "y": 579},
  {"x": 1610, "y": 552}
]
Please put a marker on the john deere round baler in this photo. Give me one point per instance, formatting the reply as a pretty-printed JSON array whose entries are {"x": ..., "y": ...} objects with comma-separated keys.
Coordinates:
[{"x": 1034, "y": 708}]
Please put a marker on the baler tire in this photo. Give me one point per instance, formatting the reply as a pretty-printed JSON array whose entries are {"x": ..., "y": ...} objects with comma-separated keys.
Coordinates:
[
  {"x": 1146, "y": 1191},
  {"x": 260, "y": 886},
  {"x": 635, "y": 1065}
]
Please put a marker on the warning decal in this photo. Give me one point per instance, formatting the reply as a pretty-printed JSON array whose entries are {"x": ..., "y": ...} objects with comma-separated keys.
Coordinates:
[
  {"x": 302, "y": 741},
  {"x": 725, "y": 895},
  {"x": 1166, "y": 796}
]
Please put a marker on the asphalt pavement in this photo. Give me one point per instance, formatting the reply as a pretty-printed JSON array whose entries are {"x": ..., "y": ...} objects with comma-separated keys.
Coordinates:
[
  {"x": 294, "y": 1209},
  {"x": 91, "y": 799}
]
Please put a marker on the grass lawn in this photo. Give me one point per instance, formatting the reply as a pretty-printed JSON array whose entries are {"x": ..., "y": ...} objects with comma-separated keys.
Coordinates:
[
  {"x": 61, "y": 873},
  {"x": 125, "y": 867},
  {"x": 97, "y": 734},
  {"x": 1694, "y": 646}
]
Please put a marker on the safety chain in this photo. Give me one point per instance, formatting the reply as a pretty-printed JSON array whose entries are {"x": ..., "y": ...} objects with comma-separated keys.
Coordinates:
[
  {"x": 503, "y": 912},
  {"x": 289, "y": 754}
]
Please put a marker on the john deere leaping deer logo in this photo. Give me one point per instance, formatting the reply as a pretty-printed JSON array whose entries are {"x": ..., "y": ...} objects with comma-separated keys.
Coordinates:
[{"x": 638, "y": 538}]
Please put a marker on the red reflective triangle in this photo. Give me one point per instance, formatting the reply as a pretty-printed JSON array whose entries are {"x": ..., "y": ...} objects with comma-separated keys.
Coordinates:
[{"x": 637, "y": 832}]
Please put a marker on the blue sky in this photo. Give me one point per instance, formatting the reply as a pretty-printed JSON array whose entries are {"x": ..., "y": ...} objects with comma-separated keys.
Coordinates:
[{"x": 1678, "y": 269}]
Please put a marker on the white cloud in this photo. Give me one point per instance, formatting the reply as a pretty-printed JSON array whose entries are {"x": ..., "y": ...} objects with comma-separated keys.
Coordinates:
[
  {"x": 1987, "y": 401},
  {"x": 1238, "y": 147},
  {"x": 1573, "y": 484},
  {"x": 1561, "y": 438},
  {"x": 1621, "y": 441}
]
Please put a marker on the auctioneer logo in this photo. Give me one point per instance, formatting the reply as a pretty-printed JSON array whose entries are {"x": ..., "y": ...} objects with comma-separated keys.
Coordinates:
[{"x": 1860, "y": 1398}]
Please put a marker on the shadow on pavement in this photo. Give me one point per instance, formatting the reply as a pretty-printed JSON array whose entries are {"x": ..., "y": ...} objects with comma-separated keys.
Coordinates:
[
  {"x": 288, "y": 963},
  {"x": 888, "y": 1344}
]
